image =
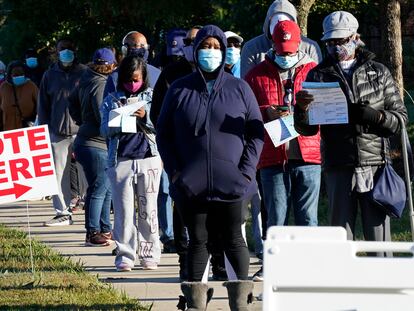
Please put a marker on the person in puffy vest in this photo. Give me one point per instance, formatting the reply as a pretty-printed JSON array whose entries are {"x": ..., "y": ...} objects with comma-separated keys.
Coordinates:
[{"x": 290, "y": 173}]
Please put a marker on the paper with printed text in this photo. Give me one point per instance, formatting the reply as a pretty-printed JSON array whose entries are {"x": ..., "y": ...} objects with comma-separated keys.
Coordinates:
[{"x": 329, "y": 105}]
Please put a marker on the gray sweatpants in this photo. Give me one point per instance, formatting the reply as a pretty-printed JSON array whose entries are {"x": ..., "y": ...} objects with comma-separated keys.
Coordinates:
[
  {"x": 343, "y": 206},
  {"x": 62, "y": 152},
  {"x": 131, "y": 179}
]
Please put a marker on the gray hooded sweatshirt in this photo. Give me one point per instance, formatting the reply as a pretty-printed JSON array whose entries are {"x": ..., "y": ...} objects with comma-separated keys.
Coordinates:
[
  {"x": 53, "y": 100},
  {"x": 254, "y": 50}
]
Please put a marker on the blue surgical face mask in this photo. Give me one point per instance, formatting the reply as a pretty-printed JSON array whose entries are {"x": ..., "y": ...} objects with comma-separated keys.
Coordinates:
[
  {"x": 31, "y": 62},
  {"x": 209, "y": 59},
  {"x": 232, "y": 55},
  {"x": 66, "y": 57},
  {"x": 286, "y": 62},
  {"x": 19, "y": 80}
]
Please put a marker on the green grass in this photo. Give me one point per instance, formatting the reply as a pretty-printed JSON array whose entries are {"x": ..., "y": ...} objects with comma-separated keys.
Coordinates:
[{"x": 58, "y": 283}]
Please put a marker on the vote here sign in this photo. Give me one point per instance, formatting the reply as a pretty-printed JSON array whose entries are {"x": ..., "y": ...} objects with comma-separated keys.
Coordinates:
[{"x": 27, "y": 170}]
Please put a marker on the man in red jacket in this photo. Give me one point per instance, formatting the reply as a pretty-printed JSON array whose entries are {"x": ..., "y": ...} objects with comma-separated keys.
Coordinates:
[{"x": 290, "y": 173}]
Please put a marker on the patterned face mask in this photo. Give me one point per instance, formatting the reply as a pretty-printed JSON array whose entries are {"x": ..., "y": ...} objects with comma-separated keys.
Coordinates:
[{"x": 342, "y": 52}]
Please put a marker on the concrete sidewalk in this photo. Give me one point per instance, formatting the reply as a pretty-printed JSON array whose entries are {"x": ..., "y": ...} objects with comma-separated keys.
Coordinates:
[{"x": 160, "y": 286}]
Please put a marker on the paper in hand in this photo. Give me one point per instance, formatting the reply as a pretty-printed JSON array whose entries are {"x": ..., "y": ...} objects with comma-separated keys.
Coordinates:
[
  {"x": 116, "y": 115},
  {"x": 329, "y": 105},
  {"x": 281, "y": 130},
  {"x": 129, "y": 124}
]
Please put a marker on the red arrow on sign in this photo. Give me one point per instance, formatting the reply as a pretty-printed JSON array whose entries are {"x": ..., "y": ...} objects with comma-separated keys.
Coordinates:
[{"x": 18, "y": 190}]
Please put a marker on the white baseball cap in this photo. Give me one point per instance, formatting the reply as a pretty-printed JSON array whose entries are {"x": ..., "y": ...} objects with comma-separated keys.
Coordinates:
[{"x": 231, "y": 34}]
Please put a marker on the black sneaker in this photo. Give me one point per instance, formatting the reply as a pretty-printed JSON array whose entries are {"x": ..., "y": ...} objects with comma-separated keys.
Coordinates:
[
  {"x": 258, "y": 276},
  {"x": 115, "y": 251},
  {"x": 59, "y": 220}
]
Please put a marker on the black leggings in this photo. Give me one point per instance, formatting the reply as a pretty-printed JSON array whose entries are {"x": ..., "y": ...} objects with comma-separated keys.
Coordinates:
[{"x": 209, "y": 222}]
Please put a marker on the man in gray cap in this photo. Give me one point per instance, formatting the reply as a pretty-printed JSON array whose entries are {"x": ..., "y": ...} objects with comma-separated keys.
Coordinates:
[
  {"x": 254, "y": 51},
  {"x": 353, "y": 152}
]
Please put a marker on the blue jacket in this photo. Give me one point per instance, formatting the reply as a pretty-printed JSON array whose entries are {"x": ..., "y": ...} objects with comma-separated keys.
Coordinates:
[
  {"x": 112, "y": 133},
  {"x": 212, "y": 141},
  {"x": 235, "y": 70}
]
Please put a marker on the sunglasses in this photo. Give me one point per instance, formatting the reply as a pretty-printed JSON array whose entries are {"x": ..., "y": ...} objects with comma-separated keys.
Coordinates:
[
  {"x": 137, "y": 46},
  {"x": 188, "y": 41},
  {"x": 234, "y": 45},
  {"x": 341, "y": 41}
]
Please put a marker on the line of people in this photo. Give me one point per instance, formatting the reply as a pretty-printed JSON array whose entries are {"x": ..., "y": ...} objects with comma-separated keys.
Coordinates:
[{"x": 198, "y": 155}]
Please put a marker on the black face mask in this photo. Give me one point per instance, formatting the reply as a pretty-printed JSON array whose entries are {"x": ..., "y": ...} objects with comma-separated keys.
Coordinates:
[{"x": 140, "y": 52}]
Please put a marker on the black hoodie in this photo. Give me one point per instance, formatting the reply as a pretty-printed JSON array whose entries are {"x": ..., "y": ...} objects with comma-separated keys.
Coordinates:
[
  {"x": 212, "y": 140},
  {"x": 85, "y": 102}
]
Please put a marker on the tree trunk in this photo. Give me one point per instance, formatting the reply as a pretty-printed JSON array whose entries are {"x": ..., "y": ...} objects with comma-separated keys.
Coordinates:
[
  {"x": 391, "y": 39},
  {"x": 303, "y": 7}
]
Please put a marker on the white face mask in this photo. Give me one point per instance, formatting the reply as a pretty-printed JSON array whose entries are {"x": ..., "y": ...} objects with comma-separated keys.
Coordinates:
[{"x": 278, "y": 17}]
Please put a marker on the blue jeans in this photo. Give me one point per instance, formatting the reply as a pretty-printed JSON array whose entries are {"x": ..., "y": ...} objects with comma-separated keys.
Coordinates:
[
  {"x": 296, "y": 185},
  {"x": 256, "y": 224},
  {"x": 98, "y": 196},
  {"x": 165, "y": 212}
]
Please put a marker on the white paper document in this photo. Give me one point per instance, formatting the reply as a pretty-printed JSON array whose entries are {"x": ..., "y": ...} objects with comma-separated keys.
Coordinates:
[
  {"x": 129, "y": 124},
  {"x": 116, "y": 116},
  {"x": 329, "y": 105},
  {"x": 281, "y": 130}
]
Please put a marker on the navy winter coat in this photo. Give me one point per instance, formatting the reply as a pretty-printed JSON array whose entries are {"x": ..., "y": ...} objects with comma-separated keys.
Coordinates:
[{"x": 211, "y": 141}]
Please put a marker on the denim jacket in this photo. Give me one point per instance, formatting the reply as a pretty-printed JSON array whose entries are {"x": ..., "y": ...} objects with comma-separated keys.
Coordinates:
[{"x": 112, "y": 133}]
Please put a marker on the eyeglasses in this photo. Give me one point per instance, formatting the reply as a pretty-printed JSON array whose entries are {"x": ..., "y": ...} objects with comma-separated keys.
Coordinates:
[
  {"x": 234, "y": 44},
  {"x": 137, "y": 46},
  {"x": 188, "y": 41},
  {"x": 333, "y": 42}
]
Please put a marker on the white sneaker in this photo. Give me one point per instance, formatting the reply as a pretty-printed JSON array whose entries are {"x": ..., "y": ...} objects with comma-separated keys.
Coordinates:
[
  {"x": 59, "y": 220},
  {"x": 148, "y": 265},
  {"x": 258, "y": 276},
  {"x": 123, "y": 267}
]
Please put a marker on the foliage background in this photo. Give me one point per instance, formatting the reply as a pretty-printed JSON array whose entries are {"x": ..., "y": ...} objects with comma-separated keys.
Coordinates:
[{"x": 93, "y": 23}]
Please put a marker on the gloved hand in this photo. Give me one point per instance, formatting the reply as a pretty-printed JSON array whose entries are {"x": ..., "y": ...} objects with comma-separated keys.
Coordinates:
[
  {"x": 364, "y": 114},
  {"x": 303, "y": 99}
]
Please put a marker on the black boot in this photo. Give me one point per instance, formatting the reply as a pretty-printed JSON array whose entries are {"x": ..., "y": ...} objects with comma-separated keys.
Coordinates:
[{"x": 240, "y": 294}]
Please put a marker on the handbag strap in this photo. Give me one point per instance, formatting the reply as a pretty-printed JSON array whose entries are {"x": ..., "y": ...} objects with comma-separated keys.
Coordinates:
[
  {"x": 385, "y": 155},
  {"x": 16, "y": 102}
]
